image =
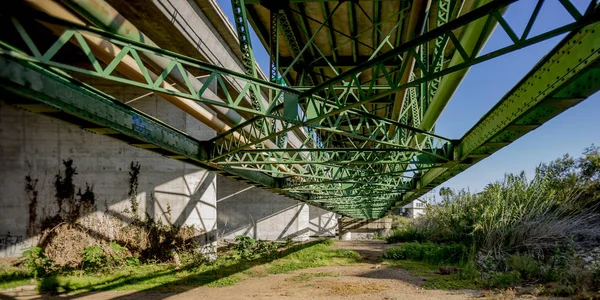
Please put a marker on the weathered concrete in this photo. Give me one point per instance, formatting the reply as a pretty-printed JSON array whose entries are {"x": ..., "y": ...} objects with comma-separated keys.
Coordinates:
[
  {"x": 358, "y": 229},
  {"x": 247, "y": 210},
  {"x": 36, "y": 146}
]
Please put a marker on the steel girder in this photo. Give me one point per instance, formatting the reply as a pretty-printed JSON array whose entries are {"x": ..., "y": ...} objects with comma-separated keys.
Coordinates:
[
  {"x": 57, "y": 95},
  {"x": 564, "y": 78},
  {"x": 328, "y": 102},
  {"x": 342, "y": 132}
]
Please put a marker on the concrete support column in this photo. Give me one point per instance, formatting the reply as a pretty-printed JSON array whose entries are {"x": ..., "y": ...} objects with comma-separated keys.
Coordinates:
[{"x": 344, "y": 235}]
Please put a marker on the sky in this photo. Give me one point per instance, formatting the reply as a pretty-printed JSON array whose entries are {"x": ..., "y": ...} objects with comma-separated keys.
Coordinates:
[{"x": 486, "y": 83}]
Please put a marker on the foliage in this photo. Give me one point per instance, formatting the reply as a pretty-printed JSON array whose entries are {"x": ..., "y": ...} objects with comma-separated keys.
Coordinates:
[
  {"x": 93, "y": 258},
  {"x": 225, "y": 271},
  {"x": 37, "y": 263},
  {"x": 525, "y": 265},
  {"x": 522, "y": 230},
  {"x": 410, "y": 234},
  {"x": 247, "y": 248},
  {"x": 515, "y": 215},
  {"x": 429, "y": 252}
]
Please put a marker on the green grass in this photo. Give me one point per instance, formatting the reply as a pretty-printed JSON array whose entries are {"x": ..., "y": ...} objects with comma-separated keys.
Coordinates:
[
  {"x": 319, "y": 255},
  {"x": 434, "y": 280},
  {"x": 224, "y": 272},
  {"x": 11, "y": 277}
]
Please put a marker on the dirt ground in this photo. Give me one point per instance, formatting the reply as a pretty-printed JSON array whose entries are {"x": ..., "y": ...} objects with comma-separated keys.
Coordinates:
[{"x": 368, "y": 280}]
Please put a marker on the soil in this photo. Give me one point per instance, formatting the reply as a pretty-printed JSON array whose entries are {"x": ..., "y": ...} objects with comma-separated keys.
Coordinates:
[{"x": 366, "y": 280}]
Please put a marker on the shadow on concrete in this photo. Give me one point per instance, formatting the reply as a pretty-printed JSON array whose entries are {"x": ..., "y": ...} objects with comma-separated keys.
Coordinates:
[{"x": 245, "y": 210}]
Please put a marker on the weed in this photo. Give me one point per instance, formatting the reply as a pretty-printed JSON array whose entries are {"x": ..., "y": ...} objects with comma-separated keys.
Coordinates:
[
  {"x": 12, "y": 277},
  {"x": 504, "y": 280},
  {"x": 37, "y": 263},
  {"x": 432, "y": 253},
  {"x": 527, "y": 267},
  {"x": 93, "y": 258},
  {"x": 247, "y": 248}
]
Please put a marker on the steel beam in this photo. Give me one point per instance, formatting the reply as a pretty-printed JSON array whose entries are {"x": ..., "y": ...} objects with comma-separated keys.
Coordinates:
[{"x": 562, "y": 79}]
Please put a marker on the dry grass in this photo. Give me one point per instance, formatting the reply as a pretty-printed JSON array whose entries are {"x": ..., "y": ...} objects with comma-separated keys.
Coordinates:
[
  {"x": 64, "y": 243},
  {"x": 352, "y": 288}
]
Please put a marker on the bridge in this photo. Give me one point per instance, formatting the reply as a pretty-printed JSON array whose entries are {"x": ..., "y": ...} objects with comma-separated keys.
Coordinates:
[{"x": 345, "y": 118}]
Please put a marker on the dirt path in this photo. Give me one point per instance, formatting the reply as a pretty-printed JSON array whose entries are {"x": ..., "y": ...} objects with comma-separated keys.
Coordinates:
[{"x": 368, "y": 280}]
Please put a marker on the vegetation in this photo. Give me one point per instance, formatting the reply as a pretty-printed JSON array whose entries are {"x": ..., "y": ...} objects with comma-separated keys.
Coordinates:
[
  {"x": 516, "y": 231},
  {"x": 430, "y": 252},
  {"x": 109, "y": 269}
]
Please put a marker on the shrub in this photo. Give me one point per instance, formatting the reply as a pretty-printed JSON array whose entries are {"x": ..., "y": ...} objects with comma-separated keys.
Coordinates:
[
  {"x": 429, "y": 252},
  {"x": 247, "y": 248},
  {"x": 527, "y": 266},
  {"x": 504, "y": 280},
  {"x": 406, "y": 235},
  {"x": 37, "y": 263},
  {"x": 515, "y": 215},
  {"x": 266, "y": 248},
  {"x": 93, "y": 258}
]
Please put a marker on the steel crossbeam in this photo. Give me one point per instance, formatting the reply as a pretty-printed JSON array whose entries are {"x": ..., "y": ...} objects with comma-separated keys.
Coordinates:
[{"x": 351, "y": 159}]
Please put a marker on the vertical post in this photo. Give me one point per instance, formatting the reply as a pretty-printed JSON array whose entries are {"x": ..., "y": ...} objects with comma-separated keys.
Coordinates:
[
  {"x": 274, "y": 45},
  {"x": 343, "y": 233}
]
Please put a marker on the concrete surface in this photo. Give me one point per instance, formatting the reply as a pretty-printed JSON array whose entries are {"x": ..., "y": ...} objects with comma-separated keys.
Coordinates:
[
  {"x": 247, "y": 210},
  {"x": 36, "y": 146}
]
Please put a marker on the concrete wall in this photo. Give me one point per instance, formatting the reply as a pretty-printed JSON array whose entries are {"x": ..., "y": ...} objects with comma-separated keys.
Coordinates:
[
  {"x": 247, "y": 210},
  {"x": 35, "y": 145}
]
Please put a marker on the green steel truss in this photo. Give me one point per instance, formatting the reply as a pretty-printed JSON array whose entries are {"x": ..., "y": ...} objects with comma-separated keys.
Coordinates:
[{"x": 350, "y": 159}]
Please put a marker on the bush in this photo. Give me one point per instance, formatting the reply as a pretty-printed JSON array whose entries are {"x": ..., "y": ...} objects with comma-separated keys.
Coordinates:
[
  {"x": 247, "y": 248},
  {"x": 37, "y": 263},
  {"x": 527, "y": 267},
  {"x": 429, "y": 252},
  {"x": 266, "y": 248},
  {"x": 93, "y": 258},
  {"x": 504, "y": 280},
  {"x": 406, "y": 235}
]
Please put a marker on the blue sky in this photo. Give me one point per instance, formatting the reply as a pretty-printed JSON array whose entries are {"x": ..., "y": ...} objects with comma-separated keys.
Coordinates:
[{"x": 486, "y": 83}]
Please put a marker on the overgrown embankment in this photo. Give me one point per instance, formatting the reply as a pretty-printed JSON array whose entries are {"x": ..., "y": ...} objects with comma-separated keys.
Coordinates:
[
  {"x": 248, "y": 258},
  {"x": 516, "y": 232}
]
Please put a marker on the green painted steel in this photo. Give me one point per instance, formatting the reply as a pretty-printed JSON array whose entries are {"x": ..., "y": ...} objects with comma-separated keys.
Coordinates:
[
  {"x": 92, "y": 110},
  {"x": 348, "y": 160}
]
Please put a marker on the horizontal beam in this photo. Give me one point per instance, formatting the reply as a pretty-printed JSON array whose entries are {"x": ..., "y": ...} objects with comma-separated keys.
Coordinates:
[
  {"x": 328, "y": 61},
  {"x": 330, "y": 106},
  {"x": 79, "y": 104},
  {"x": 566, "y": 76}
]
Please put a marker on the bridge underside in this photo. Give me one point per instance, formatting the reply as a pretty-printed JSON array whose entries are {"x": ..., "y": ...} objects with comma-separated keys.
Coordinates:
[{"x": 346, "y": 118}]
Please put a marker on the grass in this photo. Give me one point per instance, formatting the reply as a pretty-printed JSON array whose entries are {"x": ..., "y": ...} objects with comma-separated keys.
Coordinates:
[
  {"x": 226, "y": 271},
  {"x": 433, "y": 279},
  {"x": 309, "y": 276},
  {"x": 11, "y": 277}
]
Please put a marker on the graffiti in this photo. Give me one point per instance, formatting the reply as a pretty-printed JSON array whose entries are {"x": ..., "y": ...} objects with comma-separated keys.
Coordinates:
[{"x": 11, "y": 244}]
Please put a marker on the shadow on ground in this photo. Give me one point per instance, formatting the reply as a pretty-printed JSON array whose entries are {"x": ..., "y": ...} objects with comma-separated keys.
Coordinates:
[{"x": 51, "y": 287}]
